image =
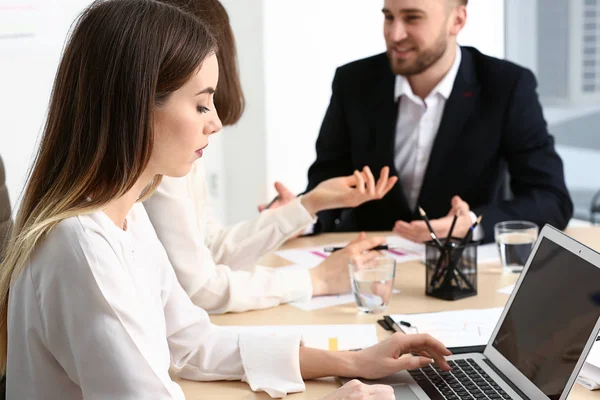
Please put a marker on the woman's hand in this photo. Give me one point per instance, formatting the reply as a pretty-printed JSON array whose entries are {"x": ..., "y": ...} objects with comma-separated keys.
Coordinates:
[
  {"x": 384, "y": 358},
  {"x": 348, "y": 191},
  {"x": 284, "y": 196},
  {"x": 356, "y": 390},
  {"x": 332, "y": 275}
]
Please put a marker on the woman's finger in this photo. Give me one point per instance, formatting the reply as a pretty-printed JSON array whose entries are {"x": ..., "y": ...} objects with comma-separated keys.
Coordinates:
[
  {"x": 382, "y": 182},
  {"x": 412, "y": 362},
  {"x": 360, "y": 182},
  {"x": 370, "y": 181}
]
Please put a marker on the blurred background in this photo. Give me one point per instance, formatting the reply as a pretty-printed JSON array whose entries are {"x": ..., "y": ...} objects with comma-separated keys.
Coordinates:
[{"x": 288, "y": 53}]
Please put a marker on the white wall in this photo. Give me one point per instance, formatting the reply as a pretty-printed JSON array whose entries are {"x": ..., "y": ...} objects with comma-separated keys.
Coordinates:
[
  {"x": 27, "y": 68},
  {"x": 288, "y": 53},
  {"x": 302, "y": 45}
]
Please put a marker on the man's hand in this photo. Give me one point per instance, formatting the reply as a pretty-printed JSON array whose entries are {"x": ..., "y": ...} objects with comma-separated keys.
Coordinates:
[{"x": 417, "y": 231}]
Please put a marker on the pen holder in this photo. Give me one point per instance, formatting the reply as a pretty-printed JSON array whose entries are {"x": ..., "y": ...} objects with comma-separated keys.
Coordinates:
[{"x": 451, "y": 272}]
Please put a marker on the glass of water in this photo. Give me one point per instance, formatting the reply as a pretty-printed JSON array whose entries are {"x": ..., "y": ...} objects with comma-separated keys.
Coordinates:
[
  {"x": 515, "y": 241},
  {"x": 372, "y": 283}
]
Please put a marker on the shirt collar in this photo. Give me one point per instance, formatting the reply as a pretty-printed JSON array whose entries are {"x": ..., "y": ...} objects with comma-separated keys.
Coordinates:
[{"x": 444, "y": 87}]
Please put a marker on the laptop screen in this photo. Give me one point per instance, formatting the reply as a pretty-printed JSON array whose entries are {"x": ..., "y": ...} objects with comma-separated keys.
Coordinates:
[{"x": 551, "y": 317}]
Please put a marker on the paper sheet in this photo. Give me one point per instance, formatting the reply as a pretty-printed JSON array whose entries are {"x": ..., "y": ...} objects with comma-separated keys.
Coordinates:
[
  {"x": 406, "y": 251},
  {"x": 312, "y": 256},
  {"x": 488, "y": 253},
  {"x": 326, "y": 337},
  {"x": 454, "y": 328},
  {"x": 319, "y": 302},
  {"x": 507, "y": 290},
  {"x": 589, "y": 376}
]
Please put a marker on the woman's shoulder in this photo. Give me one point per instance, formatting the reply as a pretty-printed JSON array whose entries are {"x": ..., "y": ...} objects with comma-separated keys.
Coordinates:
[{"x": 71, "y": 242}]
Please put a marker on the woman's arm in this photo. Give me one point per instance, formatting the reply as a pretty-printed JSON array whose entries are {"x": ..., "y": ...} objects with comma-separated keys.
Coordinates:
[
  {"x": 215, "y": 287},
  {"x": 240, "y": 245}
]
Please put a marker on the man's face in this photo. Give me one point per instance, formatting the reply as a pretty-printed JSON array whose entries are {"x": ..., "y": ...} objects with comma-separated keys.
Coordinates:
[{"x": 416, "y": 33}]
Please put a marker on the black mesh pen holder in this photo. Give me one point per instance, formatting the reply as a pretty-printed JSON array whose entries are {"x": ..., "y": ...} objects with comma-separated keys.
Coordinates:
[{"x": 451, "y": 272}]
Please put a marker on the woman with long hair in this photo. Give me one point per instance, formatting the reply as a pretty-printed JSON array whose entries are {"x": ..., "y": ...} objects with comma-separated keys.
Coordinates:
[
  {"x": 90, "y": 306},
  {"x": 216, "y": 265}
]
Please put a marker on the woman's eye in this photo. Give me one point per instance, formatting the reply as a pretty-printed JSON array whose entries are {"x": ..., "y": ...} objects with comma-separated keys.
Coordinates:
[{"x": 202, "y": 109}]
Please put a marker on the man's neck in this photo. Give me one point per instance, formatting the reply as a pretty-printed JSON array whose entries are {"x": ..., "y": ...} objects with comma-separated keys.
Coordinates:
[{"x": 423, "y": 83}]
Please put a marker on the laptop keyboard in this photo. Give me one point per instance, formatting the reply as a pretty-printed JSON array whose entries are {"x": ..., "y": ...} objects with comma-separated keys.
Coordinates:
[{"x": 466, "y": 381}]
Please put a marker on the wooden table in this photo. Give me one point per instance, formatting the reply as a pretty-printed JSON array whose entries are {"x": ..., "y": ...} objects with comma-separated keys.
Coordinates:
[{"x": 410, "y": 280}]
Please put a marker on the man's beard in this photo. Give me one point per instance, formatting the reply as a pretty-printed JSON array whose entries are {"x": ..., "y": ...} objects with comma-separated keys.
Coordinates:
[{"x": 422, "y": 62}]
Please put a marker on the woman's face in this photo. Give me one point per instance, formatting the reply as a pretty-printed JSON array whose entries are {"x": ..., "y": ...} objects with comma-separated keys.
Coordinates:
[{"x": 183, "y": 124}]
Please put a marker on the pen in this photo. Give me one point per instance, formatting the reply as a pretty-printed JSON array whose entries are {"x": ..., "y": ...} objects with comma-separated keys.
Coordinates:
[
  {"x": 431, "y": 232},
  {"x": 446, "y": 250},
  {"x": 392, "y": 323},
  {"x": 452, "y": 228},
  {"x": 380, "y": 247},
  {"x": 469, "y": 234},
  {"x": 406, "y": 324},
  {"x": 272, "y": 202}
]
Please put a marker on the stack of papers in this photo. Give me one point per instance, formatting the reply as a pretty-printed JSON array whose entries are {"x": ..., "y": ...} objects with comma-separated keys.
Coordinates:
[
  {"x": 325, "y": 337},
  {"x": 454, "y": 328}
]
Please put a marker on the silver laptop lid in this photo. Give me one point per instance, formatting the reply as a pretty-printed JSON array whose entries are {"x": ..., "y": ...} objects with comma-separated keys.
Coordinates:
[{"x": 551, "y": 319}]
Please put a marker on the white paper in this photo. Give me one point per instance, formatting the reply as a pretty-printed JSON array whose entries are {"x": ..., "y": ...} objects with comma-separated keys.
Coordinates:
[
  {"x": 405, "y": 251},
  {"x": 454, "y": 328},
  {"x": 347, "y": 337},
  {"x": 488, "y": 253},
  {"x": 319, "y": 302},
  {"x": 312, "y": 256},
  {"x": 507, "y": 290},
  {"x": 589, "y": 376},
  {"x": 307, "y": 257}
]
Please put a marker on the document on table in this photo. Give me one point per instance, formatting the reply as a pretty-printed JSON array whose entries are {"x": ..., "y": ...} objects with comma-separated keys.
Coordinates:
[
  {"x": 488, "y": 253},
  {"x": 589, "y": 376},
  {"x": 507, "y": 290},
  {"x": 313, "y": 256},
  {"x": 454, "y": 328},
  {"x": 319, "y": 302},
  {"x": 326, "y": 337},
  {"x": 405, "y": 251}
]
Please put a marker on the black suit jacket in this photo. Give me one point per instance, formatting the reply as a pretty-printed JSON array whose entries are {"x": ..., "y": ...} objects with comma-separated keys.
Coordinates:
[{"x": 492, "y": 124}]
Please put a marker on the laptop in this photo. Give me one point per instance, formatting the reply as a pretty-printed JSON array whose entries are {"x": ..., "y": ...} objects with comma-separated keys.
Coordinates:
[{"x": 541, "y": 340}]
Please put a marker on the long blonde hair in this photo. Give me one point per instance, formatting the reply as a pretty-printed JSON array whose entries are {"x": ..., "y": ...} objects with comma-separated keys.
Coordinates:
[{"x": 123, "y": 58}]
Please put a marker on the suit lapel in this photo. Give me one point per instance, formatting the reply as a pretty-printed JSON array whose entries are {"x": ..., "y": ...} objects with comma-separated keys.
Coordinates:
[{"x": 459, "y": 108}]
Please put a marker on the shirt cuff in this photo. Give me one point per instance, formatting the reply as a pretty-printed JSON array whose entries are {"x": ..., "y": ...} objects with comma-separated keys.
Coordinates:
[
  {"x": 309, "y": 230},
  {"x": 295, "y": 284},
  {"x": 272, "y": 363},
  {"x": 293, "y": 217},
  {"x": 478, "y": 232}
]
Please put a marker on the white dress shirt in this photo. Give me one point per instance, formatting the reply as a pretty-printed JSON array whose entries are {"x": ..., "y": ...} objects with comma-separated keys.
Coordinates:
[
  {"x": 416, "y": 128},
  {"x": 98, "y": 314},
  {"x": 216, "y": 265}
]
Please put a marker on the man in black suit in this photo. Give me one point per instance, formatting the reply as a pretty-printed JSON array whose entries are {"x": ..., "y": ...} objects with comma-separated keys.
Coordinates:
[{"x": 451, "y": 122}]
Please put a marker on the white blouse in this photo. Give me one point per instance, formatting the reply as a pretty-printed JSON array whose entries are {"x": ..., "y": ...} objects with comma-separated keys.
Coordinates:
[
  {"x": 216, "y": 265},
  {"x": 99, "y": 314}
]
